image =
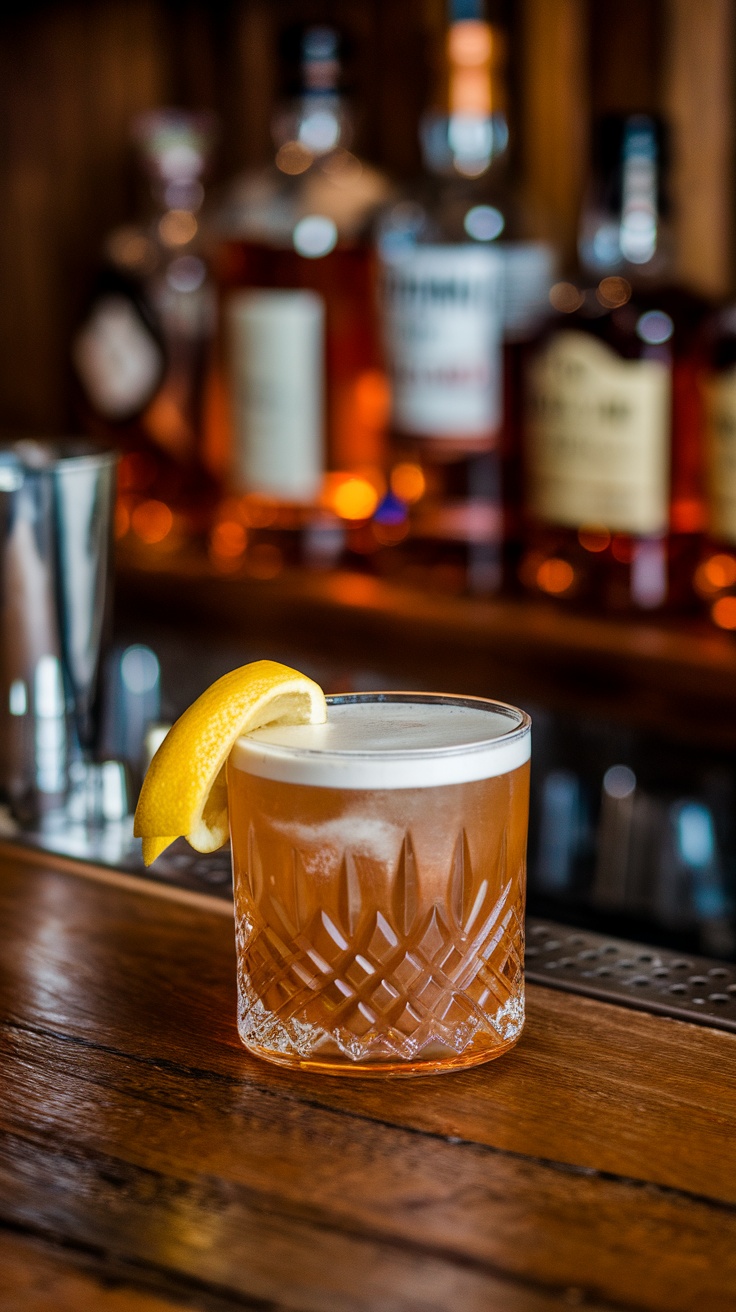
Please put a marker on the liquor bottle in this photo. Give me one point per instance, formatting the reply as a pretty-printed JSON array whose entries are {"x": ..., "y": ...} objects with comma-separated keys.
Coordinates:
[
  {"x": 612, "y": 441},
  {"x": 141, "y": 351},
  {"x": 301, "y": 433},
  {"x": 460, "y": 274},
  {"x": 715, "y": 576}
]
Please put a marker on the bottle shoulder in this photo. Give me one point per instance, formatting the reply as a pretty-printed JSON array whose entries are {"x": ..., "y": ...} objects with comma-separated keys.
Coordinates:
[
  {"x": 652, "y": 322},
  {"x": 449, "y": 210},
  {"x": 266, "y": 204}
]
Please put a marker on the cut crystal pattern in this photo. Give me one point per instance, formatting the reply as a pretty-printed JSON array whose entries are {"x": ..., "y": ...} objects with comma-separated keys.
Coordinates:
[{"x": 350, "y": 984}]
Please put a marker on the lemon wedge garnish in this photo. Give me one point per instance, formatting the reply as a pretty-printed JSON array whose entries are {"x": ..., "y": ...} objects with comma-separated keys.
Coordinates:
[{"x": 185, "y": 792}]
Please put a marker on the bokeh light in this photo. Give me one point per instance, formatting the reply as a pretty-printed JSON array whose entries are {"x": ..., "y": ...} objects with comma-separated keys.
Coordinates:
[
  {"x": 555, "y": 576},
  {"x": 152, "y": 521},
  {"x": 408, "y": 482},
  {"x": 715, "y": 574},
  {"x": 594, "y": 539},
  {"x": 723, "y": 612},
  {"x": 354, "y": 498},
  {"x": 228, "y": 539}
]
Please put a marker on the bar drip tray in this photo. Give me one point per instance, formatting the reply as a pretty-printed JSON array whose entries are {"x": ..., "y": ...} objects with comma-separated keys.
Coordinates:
[
  {"x": 648, "y": 979},
  {"x": 685, "y": 987}
]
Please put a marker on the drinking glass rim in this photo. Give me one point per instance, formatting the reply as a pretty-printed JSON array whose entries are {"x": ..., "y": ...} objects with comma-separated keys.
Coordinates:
[
  {"x": 519, "y": 730},
  {"x": 522, "y": 726}
]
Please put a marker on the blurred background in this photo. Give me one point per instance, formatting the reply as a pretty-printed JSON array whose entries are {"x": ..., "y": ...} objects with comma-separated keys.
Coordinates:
[
  {"x": 157, "y": 165},
  {"x": 76, "y": 74}
]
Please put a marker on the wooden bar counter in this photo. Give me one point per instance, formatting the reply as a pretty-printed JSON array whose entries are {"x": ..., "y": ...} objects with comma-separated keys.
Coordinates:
[{"x": 148, "y": 1162}]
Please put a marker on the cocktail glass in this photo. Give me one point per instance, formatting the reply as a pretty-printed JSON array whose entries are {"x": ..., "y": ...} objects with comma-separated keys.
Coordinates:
[{"x": 379, "y": 868}]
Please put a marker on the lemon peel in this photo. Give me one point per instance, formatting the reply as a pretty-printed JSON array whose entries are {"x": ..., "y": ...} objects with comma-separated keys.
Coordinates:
[{"x": 184, "y": 792}]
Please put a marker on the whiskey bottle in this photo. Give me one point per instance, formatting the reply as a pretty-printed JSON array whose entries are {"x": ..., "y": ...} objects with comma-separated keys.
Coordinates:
[
  {"x": 301, "y": 434},
  {"x": 140, "y": 353},
  {"x": 715, "y": 576},
  {"x": 612, "y": 429},
  {"x": 460, "y": 274}
]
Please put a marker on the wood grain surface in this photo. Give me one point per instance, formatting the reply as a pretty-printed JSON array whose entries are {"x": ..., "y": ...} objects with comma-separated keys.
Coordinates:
[{"x": 147, "y": 1161}]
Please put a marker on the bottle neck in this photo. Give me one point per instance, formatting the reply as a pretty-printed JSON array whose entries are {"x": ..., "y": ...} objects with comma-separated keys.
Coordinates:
[
  {"x": 310, "y": 127},
  {"x": 466, "y": 130},
  {"x": 624, "y": 230}
]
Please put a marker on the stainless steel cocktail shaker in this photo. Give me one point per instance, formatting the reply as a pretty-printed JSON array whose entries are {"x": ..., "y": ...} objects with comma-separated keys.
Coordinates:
[{"x": 56, "y": 518}]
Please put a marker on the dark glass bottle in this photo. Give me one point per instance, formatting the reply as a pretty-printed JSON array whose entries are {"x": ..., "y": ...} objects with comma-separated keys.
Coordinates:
[
  {"x": 301, "y": 440},
  {"x": 141, "y": 352},
  {"x": 715, "y": 576},
  {"x": 612, "y": 457},
  {"x": 460, "y": 274}
]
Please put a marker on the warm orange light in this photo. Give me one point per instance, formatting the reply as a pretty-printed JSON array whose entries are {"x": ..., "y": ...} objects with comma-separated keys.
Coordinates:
[
  {"x": 264, "y": 561},
  {"x": 256, "y": 512},
  {"x": 688, "y": 515},
  {"x": 372, "y": 398},
  {"x": 228, "y": 539},
  {"x": 555, "y": 576},
  {"x": 354, "y": 498},
  {"x": 716, "y": 573},
  {"x": 167, "y": 424},
  {"x": 613, "y": 292},
  {"x": 469, "y": 43},
  {"x": 342, "y": 167},
  {"x": 130, "y": 248},
  {"x": 293, "y": 158},
  {"x": 408, "y": 482},
  {"x": 565, "y": 297},
  {"x": 152, "y": 521},
  {"x": 177, "y": 227},
  {"x": 723, "y": 612},
  {"x": 470, "y": 46},
  {"x": 594, "y": 539}
]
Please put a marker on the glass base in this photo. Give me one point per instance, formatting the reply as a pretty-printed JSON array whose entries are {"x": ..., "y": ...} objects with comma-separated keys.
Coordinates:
[
  {"x": 462, "y": 1036},
  {"x": 385, "y": 1070}
]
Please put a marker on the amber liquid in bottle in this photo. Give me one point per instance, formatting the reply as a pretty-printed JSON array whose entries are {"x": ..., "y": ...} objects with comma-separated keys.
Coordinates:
[
  {"x": 345, "y": 280},
  {"x": 612, "y": 448},
  {"x": 715, "y": 576},
  {"x": 299, "y": 434}
]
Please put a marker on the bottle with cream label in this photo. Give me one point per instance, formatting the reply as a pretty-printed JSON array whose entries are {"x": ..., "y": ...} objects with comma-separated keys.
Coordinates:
[{"x": 612, "y": 444}]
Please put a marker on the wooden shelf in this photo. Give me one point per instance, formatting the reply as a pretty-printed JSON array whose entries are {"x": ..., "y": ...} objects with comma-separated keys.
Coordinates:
[{"x": 674, "y": 676}]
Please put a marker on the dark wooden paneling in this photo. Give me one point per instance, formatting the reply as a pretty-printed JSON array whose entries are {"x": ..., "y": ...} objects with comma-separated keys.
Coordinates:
[
  {"x": 626, "y": 55},
  {"x": 71, "y": 78},
  {"x": 698, "y": 97},
  {"x": 554, "y": 111}
]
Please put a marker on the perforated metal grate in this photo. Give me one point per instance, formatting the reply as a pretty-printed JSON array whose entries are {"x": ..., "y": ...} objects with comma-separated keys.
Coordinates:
[{"x": 650, "y": 979}]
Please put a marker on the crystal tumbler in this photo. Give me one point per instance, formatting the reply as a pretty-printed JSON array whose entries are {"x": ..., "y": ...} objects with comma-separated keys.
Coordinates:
[{"x": 379, "y": 869}]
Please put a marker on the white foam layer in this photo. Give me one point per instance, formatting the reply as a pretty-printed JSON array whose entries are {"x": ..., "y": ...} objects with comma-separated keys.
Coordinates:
[{"x": 391, "y": 744}]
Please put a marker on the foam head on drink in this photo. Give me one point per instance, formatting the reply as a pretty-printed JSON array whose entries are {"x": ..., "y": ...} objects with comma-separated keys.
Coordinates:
[{"x": 379, "y": 865}]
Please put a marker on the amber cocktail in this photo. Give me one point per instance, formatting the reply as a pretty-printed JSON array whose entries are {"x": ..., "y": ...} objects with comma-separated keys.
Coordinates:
[{"x": 379, "y": 867}]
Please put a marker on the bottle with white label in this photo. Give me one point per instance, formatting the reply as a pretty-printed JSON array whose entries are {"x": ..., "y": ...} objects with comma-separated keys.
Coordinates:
[
  {"x": 140, "y": 352},
  {"x": 612, "y": 441},
  {"x": 715, "y": 575},
  {"x": 460, "y": 276},
  {"x": 300, "y": 436}
]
